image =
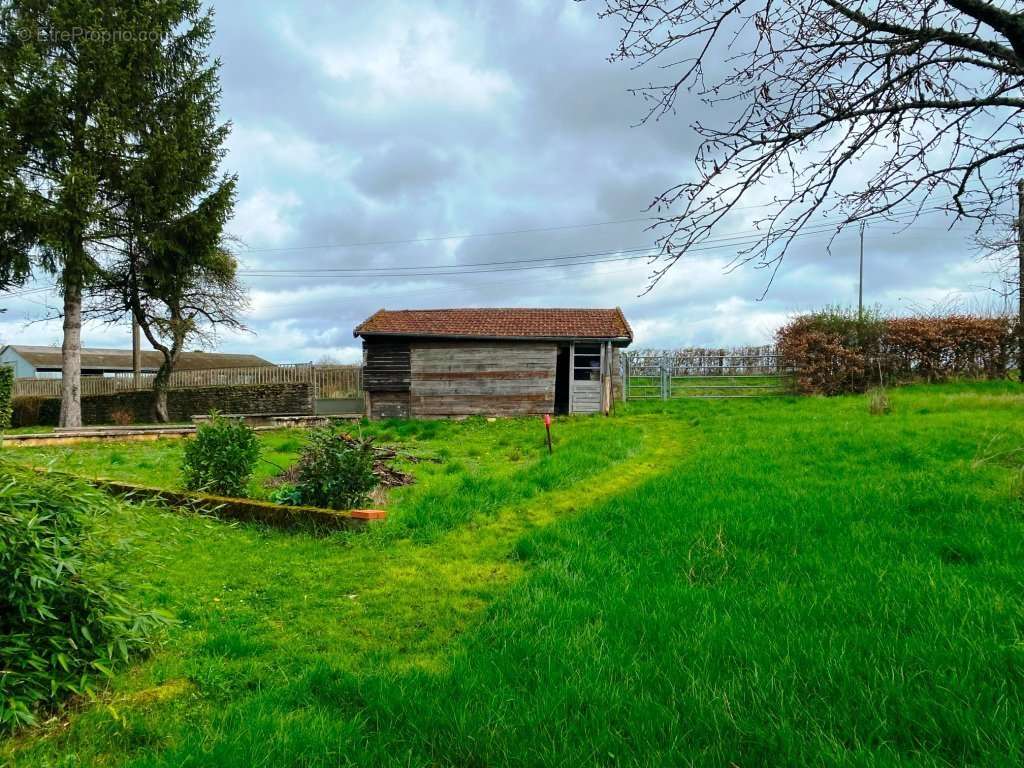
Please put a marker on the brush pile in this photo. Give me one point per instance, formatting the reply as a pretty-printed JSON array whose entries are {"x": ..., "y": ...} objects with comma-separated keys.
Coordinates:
[{"x": 387, "y": 475}]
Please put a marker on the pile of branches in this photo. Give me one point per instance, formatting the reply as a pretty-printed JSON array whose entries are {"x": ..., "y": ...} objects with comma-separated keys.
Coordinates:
[{"x": 383, "y": 456}]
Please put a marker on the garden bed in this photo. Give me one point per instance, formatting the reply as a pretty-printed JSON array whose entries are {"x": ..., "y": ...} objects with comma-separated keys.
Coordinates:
[{"x": 246, "y": 510}]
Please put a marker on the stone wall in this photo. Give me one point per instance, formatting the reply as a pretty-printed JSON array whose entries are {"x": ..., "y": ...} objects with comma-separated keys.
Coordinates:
[
  {"x": 182, "y": 404},
  {"x": 34, "y": 411}
]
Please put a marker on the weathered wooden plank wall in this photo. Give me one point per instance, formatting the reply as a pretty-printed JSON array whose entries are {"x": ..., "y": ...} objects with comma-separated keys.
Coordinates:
[
  {"x": 386, "y": 365},
  {"x": 389, "y": 405},
  {"x": 588, "y": 361},
  {"x": 462, "y": 378},
  {"x": 586, "y": 396}
]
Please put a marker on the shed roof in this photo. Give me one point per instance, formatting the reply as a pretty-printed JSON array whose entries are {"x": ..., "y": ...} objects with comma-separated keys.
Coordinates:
[
  {"x": 499, "y": 324},
  {"x": 121, "y": 359}
]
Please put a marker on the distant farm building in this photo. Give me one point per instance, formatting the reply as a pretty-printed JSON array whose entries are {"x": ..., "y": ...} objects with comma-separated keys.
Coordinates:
[
  {"x": 500, "y": 362},
  {"x": 32, "y": 362}
]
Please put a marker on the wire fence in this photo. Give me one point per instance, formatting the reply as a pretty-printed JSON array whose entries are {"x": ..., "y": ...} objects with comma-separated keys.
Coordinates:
[
  {"x": 705, "y": 373},
  {"x": 329, "y": 381}
]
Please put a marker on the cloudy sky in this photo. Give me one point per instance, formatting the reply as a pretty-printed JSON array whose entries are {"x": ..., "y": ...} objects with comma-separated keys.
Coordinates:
[{"x": 418, "y": 134}]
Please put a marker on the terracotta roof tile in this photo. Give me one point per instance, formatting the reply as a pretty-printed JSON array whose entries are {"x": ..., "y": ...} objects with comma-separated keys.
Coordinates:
[{"x": 499, "y": 323}]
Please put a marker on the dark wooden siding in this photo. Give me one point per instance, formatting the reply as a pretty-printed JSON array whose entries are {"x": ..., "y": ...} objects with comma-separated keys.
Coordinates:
[
  {"x": 389, "y": 405},
  {"x": 463, "y": 378},
  {"x": 386, "y": 365}
]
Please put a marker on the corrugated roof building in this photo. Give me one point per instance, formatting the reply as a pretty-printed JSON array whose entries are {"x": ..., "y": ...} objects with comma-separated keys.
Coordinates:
[
  {"x": 502, "y": 362},
  {"x": 45, "y": 362}
]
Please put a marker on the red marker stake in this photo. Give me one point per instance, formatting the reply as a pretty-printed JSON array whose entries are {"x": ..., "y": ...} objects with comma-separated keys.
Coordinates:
[{"x": 547, "y": 426}]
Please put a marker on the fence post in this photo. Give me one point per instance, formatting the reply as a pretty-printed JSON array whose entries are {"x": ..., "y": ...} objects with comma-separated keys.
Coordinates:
[
  {"x": 664, "y": 380},
  {"x": 624, "y": 372}
]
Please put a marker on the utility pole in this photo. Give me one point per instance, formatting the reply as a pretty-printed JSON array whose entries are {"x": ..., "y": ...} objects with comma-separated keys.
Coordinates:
[
  {"x": 860, "y": 281},
  {"x": 1020, "y": 280},
  {"x": 136, "y": 353}
]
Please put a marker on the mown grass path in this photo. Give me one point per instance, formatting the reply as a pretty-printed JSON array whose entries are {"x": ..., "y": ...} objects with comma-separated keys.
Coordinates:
[
  {"x": 465, "y": 568},
  {"x": 260, "y": 609}
]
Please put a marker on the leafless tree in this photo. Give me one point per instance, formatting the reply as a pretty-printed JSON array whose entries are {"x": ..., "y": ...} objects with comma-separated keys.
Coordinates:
[
  {"x": 837, "y": 110},
  {"x": 328, "y": 360},
  {"x": 997, "y": 247},
  {"x": 178, "y": 299}
]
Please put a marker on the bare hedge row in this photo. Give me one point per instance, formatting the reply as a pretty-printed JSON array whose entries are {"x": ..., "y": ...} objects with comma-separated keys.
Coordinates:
[{"x": 835, "y": 352}]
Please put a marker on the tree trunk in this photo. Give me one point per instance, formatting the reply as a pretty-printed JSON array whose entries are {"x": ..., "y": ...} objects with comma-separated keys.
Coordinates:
[
  {"x": 136, "y": 353},
  {"x": 71, "y": 358},
  {"x": 161, "y": 383},
  {"x": 1020, "y": 280}
]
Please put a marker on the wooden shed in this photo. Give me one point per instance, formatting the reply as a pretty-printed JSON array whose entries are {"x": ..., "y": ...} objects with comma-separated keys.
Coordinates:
[{"x": 428, "y": 363}]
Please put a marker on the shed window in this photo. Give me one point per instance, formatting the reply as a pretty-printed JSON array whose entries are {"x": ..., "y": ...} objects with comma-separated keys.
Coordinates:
[{"x": 586, "y": 364}]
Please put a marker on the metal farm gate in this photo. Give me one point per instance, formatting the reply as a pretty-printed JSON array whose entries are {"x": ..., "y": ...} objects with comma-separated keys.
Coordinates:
[{"x": 705, "y": 373}]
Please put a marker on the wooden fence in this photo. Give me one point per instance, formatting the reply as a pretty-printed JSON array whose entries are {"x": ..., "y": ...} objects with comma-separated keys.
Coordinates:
[
  {"x": 706, "y": 373},
  {"x": 329, "y": 381}
]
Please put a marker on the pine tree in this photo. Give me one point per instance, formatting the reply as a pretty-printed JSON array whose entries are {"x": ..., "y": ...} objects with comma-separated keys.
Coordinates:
[
  {"x": 174, "y": 273},
  {"x": 108, "y": 113}
]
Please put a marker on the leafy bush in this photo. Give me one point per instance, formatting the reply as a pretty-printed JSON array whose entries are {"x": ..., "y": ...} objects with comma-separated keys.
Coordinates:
[
  {"x": 335, "y": 471},
  {"x": 63, "y": 617},
  {"x": 221, "y": 457},
  {"x": 835, "y": 351},
  {"x": 6, "y": 395}
]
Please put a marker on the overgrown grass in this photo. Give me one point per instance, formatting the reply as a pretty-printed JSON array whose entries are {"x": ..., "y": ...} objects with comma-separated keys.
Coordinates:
[
  {"x": 775, "y": 582},
  {"x": 470, "y": 468}
]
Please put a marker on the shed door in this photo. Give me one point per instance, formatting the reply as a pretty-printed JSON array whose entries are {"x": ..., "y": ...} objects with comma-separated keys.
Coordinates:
[{"x": 587, "y": 364}]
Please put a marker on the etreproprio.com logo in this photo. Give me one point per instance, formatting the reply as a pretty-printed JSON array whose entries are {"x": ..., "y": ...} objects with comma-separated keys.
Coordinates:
[{"x": 85, "y": 34}]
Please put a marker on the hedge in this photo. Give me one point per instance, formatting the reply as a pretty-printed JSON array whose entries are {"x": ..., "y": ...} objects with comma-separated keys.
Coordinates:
[
  {"x": 835, "y": 351},
  {"x": 6, "y": 394}
]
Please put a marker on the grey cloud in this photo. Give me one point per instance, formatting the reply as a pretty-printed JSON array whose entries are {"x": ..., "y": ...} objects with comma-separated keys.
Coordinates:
[
  {"x": 556, "y": 147},
  {"x": 403, "y": 170}
]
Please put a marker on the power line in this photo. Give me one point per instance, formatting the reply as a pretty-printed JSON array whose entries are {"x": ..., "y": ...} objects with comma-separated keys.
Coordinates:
[
  {"x": 466, "y": 236},
  {"x": 465, "y": 286},
  {"x": 583, "y": 259},
  {"x": 437, "y": 238},
  {"x": 28, "y": 292},
  {"x": 448, "y": 291},
  {"x": 356, "y": 270},
  {"x": 734, "y": 240},
  {"x": 737, "y": 240}
]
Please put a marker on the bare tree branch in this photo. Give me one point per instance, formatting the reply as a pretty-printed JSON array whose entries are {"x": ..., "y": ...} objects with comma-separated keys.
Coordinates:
[{"x": 801, "y": 96}]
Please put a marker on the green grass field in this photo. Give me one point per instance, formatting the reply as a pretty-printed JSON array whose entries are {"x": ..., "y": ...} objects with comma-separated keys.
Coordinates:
[{"x": 753, "y": 582}]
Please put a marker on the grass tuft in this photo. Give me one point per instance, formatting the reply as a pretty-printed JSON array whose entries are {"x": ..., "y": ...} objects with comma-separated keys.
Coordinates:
[{"x": 879, "y": 403}]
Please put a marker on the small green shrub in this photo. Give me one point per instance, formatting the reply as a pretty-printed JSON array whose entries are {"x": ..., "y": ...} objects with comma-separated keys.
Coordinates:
[
  {"x": 221, "y": 458},
  {"x": 63, "y": 618},
  {"x": 335, "y": 471},
  {"x": 6, "y": 395},
  {"x": 286, "y": 494}
]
